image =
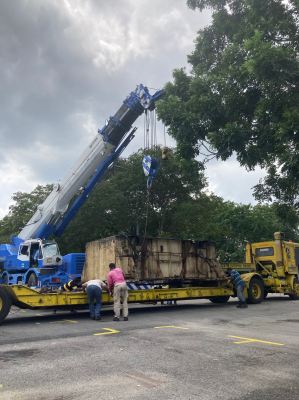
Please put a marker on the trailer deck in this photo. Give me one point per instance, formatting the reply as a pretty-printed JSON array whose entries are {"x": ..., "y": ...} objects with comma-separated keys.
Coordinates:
[{"x": 25, "y": 297}]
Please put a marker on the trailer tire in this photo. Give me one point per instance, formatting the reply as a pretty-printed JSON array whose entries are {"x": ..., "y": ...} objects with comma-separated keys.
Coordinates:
[
  {"x": 219, "y": 299},
  {"x": 31, "y": 280},
  {"x": 255, "y": 291},
  {"x": 5, "y": 303}
]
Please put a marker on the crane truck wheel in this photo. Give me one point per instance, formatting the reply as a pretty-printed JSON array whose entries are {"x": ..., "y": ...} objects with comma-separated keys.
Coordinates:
[
  {"x": 5, "y": 303},
  {"x": 219, "y": 299},
  {"x": 255, "y": 291},
  {"x": 31, "y": 279}
]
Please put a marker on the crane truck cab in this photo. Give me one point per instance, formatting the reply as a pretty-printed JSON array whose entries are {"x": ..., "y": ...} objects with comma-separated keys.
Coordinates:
[{"x": 34, "y": 262}]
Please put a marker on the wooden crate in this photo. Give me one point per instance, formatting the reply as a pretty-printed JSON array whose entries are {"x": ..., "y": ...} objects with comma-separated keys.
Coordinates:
[{"x": 152, "y": 258}]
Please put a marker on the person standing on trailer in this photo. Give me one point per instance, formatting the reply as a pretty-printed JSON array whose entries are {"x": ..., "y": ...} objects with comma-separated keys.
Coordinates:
[
  {"x": 94, "y": 290},
  {"x": 118, "y": 286},
  {"x": 239, "y": 285}
]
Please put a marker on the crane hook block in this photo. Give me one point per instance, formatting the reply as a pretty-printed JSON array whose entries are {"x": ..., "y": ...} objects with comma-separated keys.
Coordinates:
[{"x": 150, "y": 168}]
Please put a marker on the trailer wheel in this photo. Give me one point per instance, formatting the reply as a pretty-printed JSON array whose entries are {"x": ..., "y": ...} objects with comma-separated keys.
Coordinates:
[
  {"x": 31, "y": 279},
  {"x": 219, "y": 299},
  {"x": 5, "y": 303},
  {"x": 255, "y": 291}
]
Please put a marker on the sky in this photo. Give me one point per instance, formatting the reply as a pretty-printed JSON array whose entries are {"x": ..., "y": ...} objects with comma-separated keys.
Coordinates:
[{"x": 67, "y": 65}]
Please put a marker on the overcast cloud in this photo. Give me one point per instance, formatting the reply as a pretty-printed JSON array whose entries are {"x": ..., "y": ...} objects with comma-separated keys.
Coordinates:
[{"x": 66, "y": 66}]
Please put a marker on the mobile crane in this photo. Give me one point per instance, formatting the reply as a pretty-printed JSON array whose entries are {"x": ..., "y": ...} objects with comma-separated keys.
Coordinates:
[{"x": 31, "y": 258}]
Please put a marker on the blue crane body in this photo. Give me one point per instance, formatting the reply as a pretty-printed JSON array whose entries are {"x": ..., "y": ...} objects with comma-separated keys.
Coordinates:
[{"x": 32, "y": 258}]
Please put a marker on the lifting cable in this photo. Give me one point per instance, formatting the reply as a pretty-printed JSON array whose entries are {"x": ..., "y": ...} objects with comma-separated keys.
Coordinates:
[
  {"x": 150, "y": 164},
  {"x": 150, "y": 129},
  {"x": 150, "y": 167},
  {"x": 146, "y": 217}
]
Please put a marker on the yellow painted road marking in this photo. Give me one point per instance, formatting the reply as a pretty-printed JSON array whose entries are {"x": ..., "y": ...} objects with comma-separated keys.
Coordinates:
[
  {"x": 70, "y": 321},
  {"x": 110, "y": 331},
  {"x": 170, "y": 326},
  {"x": 253, "y": 340}
]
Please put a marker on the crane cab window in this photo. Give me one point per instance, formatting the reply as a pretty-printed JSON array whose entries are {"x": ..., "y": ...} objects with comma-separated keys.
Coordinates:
[
  {"x": 35, "y": 251},
  {"x": 264, "y": 251},
  {"x": 24, "y": 250}
]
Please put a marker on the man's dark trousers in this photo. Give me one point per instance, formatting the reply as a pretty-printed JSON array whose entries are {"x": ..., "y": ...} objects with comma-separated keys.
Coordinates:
[{"x": 94, "y": 294}]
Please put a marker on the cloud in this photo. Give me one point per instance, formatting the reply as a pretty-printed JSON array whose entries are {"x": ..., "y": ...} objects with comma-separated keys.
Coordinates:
[
  {"x": 67, "y": 65},
  {"x": 232, "y": 182}
]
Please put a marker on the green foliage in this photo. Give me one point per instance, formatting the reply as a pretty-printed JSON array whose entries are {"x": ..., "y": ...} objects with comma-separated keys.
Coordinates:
[
  {"x": 230, "y": 225},
  {"x": 24, "y": 206},
  {"x": 119, "y": 203},
  {"x": 242, "y": 94}
]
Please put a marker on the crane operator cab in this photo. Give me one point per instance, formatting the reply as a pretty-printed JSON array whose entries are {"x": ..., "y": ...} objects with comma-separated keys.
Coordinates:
[{"x": 40, "y": 258}]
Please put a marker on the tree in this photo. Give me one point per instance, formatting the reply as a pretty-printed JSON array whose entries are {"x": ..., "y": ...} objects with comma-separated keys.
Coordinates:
[
  {"x": 20, "y": 212},
  {"x": 229, "y": 224},
  {"x": 120, "y": 203},
  {"x": 242, "y": 94}
]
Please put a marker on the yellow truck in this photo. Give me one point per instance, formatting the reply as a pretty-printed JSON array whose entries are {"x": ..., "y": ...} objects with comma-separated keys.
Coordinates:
[
  {"x": 269, "y": 267},
  {"x": 273, "y": 268}
]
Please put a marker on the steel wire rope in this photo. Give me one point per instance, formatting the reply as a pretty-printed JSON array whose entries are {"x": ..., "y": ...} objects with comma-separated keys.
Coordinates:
[
  {"x": 146, "y": 218},
  {"x": 155, "y": 128}
]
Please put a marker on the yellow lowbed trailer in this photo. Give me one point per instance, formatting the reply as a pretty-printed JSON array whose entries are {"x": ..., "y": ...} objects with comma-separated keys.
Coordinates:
[{"x": 28, "y": 298}]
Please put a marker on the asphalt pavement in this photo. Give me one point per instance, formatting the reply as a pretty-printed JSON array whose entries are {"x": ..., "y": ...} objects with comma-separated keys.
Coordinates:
[{"x": 193, "y": 350}]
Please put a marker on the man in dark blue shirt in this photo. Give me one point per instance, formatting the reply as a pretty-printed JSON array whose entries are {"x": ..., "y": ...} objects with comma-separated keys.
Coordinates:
[{"x": 239, "y": 285}]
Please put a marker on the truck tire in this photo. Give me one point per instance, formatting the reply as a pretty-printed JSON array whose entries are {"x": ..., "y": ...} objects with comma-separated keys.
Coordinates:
[
  {"x": 5, "y": 303},
  {"x": 219, "y": 299},
  {"x": 31, "y": 280},
  {"x": 255, "y": 291}
]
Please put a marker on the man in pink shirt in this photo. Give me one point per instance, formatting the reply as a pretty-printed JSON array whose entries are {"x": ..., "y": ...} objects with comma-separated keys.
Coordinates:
[{"x": 117, "y": 285}]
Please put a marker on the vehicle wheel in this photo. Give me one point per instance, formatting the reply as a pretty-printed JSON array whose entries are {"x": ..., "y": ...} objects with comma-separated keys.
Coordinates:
[
  {"x": 255, "y": 291},
  {"x": 31, "y": 279},
  {"x": 4, "y": 278},
  {"x": 5, "y": 303},
  {"x": 219, "y": 299}
]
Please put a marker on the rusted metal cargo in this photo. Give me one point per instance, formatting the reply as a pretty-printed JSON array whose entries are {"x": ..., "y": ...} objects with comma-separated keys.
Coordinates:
[{"x": 153, "y": 259}]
